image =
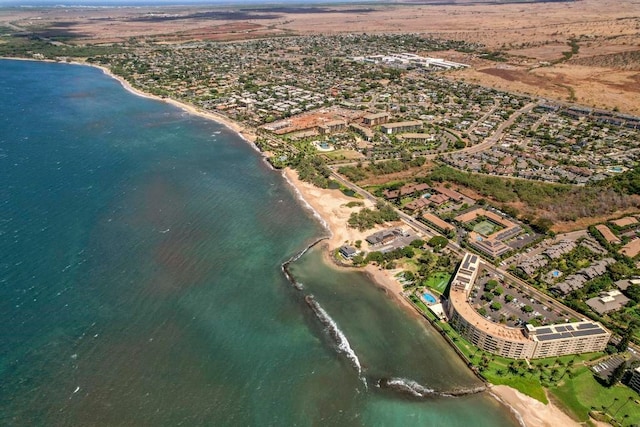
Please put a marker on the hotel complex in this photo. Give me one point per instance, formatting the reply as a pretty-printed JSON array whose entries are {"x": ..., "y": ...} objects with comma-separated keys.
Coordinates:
[{"x": 517, "y": 343}]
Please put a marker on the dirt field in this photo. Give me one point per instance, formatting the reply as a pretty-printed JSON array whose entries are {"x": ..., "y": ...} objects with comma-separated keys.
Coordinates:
[{"x": 605, "y": 72}]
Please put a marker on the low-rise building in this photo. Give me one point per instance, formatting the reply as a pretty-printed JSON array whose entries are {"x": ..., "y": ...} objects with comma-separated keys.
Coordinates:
[
  {"x": 607, "y": 234},
  {"x": 348, "y": 252},
  {"x": 489, "y": 246},
  {"x": 560, "y": 248},
  {"x": 375, "y": 119},
  {"x": 365, "y": 133},
  {"x": 416, "y": 138},
  {"x": 437, "y": 222},
  {"x": 400, "y": 127},
  {"x": 631, "y": 249},
  {"x": 384, "y": 236},
  {"x": 608, "y": 301},
  {"x": 332, "y": 126},
  {"x": 530, "y": 265},
  {"x": 627, "y": 221}
]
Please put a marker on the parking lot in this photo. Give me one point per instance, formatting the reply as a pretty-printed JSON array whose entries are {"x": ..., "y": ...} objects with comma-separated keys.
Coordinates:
[{"x": 512, "y": 301}]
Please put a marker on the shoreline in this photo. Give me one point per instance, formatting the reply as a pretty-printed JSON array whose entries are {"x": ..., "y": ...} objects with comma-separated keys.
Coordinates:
[
  {"x": 232, "y": 125},
  {"x": 328, "y": 207}
]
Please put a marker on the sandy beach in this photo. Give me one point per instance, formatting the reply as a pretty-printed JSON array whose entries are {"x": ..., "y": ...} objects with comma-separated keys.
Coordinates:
[
  {"x": 531, "y": 412},
  {"x": 330, "y": 207},
  {"x": 242, "y": 130}
]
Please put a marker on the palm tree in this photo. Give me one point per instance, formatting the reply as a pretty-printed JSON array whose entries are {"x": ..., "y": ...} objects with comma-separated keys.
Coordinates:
[
  {"x": 629, "y": 399},
  {"x": 606, "y": 408}
]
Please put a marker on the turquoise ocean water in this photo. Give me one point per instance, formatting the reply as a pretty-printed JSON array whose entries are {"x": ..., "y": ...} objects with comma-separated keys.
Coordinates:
[{"x": 140, "y": 280}]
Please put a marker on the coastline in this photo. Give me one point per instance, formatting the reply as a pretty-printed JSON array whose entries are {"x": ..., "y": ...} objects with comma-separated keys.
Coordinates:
[
  {"x": 329, "y": 207},
  {"x": 241, "y": 130},
  {"x": 531, "y": 412}
]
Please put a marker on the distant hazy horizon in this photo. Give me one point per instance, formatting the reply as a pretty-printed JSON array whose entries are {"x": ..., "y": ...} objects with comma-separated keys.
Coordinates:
[{"x": 69, "y": 3}]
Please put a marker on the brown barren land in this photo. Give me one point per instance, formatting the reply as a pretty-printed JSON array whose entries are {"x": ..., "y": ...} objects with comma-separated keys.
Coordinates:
[{"x": 533, "y": 37}]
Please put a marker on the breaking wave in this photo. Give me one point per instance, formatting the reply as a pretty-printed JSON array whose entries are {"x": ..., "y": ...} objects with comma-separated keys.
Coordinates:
[
  {"x": 417, "y": 390},
  {"x": 335, "y": 332},
  {"x": 406, "y": 386}
]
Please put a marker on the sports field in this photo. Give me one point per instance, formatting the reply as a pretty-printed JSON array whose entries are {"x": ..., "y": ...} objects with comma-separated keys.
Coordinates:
[{"x": 486, "y": 228}]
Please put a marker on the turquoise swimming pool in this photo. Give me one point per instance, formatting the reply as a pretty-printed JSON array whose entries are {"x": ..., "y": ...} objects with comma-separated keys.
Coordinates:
[{"x": 430, "y": 299}]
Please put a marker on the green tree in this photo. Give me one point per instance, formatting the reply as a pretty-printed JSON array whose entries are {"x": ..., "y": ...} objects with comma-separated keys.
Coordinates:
[
  {"x": 438, "y": 242},
  {"x": 490, "y": 285},
  {"x": 617, "y": 374},
  {"x": 417, "y": 243}
]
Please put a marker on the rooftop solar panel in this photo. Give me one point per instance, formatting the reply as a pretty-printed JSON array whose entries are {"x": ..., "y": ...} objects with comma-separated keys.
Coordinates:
[
  {"x": 587, "y": 332},
  {"x": 588, "y": 326}
]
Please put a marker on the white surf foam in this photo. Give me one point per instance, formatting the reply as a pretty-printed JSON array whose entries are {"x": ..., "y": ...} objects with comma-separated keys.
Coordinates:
[
  {"x": 307, "y": 206},
  {"x": 333, "y": 328},
  {"x": 410, "y": 386}
]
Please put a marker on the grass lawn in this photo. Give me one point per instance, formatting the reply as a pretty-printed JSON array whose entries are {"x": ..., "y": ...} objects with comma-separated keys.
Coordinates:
[
  {"x": 343, "y": 155},
  {"x": 497, "y": 371},
  {"x": 438, "y": 281},
  {"x": 583, "y": 393},
  {"x": 421, "y": 305}
]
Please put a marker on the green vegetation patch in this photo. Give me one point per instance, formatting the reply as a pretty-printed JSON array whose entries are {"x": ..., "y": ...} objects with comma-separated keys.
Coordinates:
[
  {"x": 367, "y": 218},
  {"x": 438, "y": 281},
  {"x": 24, "y": 47},
  {"x": 583, "y": 393},
  {"x": 564, "y": 202}
]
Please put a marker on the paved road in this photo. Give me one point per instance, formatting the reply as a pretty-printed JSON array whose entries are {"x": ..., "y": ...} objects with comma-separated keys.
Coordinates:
[
  {"x": 495, "y": 137},
  {"x": 455, "y": 248}
]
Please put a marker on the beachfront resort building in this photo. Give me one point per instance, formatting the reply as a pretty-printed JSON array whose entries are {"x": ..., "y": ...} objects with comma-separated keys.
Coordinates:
[{"x": 529, "y": 342}]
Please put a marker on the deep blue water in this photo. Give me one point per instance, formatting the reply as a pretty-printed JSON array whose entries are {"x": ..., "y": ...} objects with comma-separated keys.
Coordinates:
[{"x": 140, "y": 279}]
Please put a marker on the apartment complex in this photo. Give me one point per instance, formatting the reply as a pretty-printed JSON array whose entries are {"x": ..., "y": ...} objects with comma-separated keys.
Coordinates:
[
  {"x": 517, "y": 343},
  {"x": 399, "y": 127},
  {"x": 490, "y": 243}
]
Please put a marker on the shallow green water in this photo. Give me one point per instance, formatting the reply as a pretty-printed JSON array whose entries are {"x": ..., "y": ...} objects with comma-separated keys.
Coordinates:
[{"x": 140, "y": 279}]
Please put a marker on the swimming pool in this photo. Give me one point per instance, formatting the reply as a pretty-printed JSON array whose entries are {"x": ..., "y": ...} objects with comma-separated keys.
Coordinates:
[{"x": 430, "y": 299}]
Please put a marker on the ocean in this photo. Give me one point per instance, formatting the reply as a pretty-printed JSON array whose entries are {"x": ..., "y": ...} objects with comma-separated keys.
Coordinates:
[{"x": 141, "y": 280}]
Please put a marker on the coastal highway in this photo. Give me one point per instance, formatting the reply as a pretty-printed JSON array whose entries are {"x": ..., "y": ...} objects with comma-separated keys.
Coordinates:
[{"x": 408, "y": 219}]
